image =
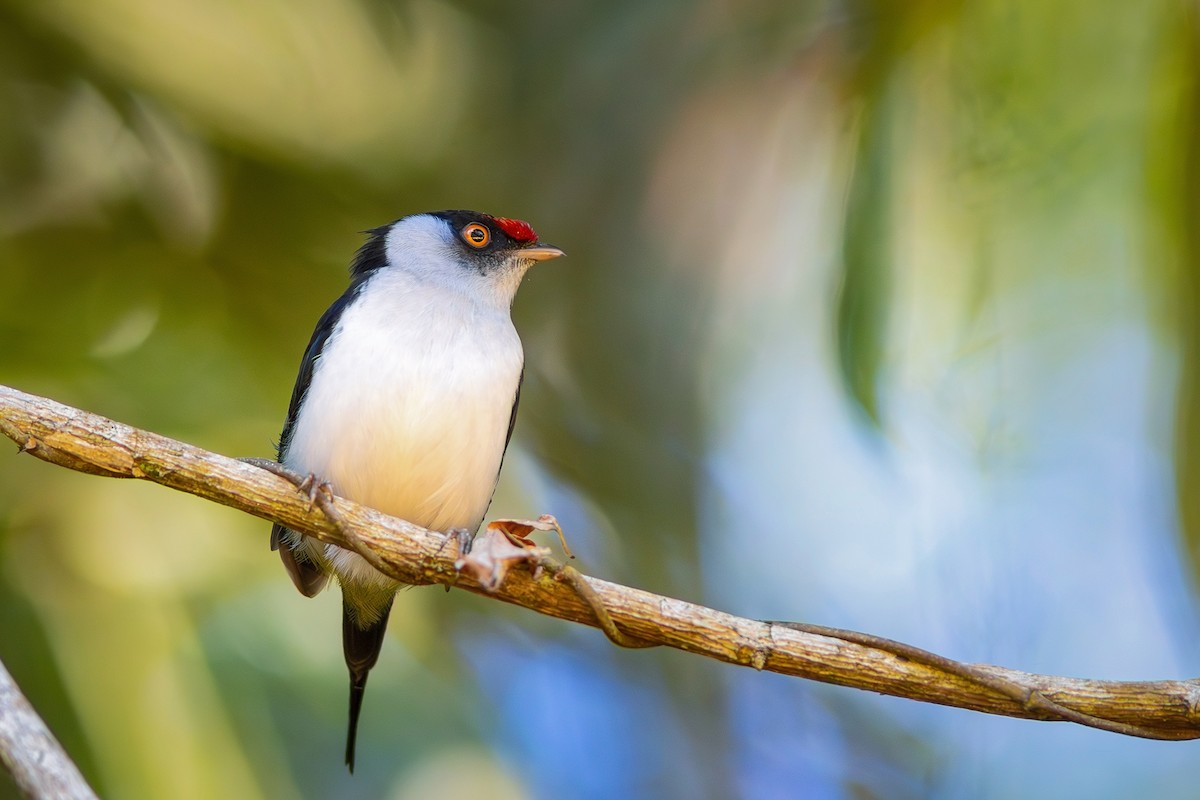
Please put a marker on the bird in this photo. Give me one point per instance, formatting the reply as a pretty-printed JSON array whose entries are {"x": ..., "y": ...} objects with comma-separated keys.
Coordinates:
[{"x": 406, "y": 400}]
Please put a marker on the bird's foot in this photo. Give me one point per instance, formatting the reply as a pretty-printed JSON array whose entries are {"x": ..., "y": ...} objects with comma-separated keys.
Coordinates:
[
  {"x": 463, "y": 540},
  {"x": 517, "y": 531},
  {"x": 319, "y": 492}
]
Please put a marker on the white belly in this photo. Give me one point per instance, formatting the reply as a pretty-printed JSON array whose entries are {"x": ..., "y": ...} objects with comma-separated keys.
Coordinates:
[{"x": 409, "y": 406}]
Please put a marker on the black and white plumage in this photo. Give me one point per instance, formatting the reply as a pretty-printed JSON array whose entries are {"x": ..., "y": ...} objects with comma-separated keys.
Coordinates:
[{"x": 406, "y": 400}]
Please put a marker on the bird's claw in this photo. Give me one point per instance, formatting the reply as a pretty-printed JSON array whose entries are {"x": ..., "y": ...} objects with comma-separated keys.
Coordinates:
[
  {"x": 463, "y": 540},
  {"x": 314, "y": 488},
  {"x": 319, "y": 492}
]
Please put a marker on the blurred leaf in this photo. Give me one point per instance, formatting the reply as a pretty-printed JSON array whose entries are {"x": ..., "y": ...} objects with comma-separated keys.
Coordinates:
[
  {"x": 1187, "y": 299},
  {"x": 866, "y": 269}
]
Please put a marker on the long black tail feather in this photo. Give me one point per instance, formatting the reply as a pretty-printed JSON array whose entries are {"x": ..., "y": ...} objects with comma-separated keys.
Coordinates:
[{"x": 361, "y": 647}]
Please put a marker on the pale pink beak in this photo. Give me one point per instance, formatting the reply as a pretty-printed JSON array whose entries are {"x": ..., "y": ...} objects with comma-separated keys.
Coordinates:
[{"x": 542, "y": 252}]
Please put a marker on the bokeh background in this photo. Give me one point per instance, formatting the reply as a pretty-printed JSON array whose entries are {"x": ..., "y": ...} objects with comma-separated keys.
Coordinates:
[{"x": 877, "y": 315}]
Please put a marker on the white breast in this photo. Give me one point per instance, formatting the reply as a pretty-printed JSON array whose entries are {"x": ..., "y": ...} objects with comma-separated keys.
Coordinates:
[{"x": 409, "y": 406}]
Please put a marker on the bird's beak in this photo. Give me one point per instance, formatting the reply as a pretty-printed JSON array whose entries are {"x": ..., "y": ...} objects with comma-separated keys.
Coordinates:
[{"x": 542, "y": 252}]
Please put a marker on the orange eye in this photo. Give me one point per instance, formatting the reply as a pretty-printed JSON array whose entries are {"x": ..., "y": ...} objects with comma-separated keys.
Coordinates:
[{"x": 476, "y": 235}]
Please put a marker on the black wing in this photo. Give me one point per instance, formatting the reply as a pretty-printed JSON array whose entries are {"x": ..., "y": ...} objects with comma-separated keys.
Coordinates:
[
  {"x": 370, "y": 257},
  {"x": 512, "y": 420},
  {"x": 325, "y": 328},
  {"x": 512, "y": 423}
]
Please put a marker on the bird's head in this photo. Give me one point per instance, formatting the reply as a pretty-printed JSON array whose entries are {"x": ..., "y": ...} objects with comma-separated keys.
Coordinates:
[{"x": 476, "y": 253}]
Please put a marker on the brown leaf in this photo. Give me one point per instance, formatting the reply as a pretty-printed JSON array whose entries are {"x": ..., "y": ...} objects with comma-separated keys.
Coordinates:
[
  {"x": 493, "y": 554},
  {"x": 518, "y": 530}
]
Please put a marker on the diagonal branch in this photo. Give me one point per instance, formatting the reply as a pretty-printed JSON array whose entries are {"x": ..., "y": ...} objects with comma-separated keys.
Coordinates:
[
  {"x": 89, "y": 443},
  {"x": 37, "y": 762}
]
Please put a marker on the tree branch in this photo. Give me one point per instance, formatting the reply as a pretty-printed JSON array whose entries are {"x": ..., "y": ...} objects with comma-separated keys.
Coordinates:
[
  {"x": 89, "y": 443},
  {"x": 34, "y": 758}
]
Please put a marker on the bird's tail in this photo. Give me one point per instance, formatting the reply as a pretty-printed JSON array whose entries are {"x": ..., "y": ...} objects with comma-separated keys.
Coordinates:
[{"x": 361, "y": 647}]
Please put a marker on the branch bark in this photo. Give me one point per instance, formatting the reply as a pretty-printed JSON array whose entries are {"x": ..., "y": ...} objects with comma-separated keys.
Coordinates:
[
  {"x": 89, "y": 443},
  {"x": 34, "y": 758}
]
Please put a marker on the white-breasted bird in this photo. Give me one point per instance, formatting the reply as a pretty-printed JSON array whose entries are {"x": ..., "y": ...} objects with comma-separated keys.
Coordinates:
[{"x": 406, "y": 400}]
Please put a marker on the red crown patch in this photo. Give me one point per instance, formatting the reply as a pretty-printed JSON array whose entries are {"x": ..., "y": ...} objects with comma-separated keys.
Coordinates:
[{"x": 517, "y": 230}]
